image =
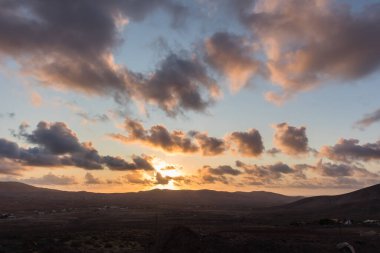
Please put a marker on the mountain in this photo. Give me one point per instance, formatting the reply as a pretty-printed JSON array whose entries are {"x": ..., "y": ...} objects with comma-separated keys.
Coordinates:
[
  {"x": 19, "y": 196},
  {"x": 360, "y": 204}
]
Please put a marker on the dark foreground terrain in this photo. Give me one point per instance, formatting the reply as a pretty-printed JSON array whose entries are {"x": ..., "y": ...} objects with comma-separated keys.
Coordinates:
[{"x": 200, "y": 228}]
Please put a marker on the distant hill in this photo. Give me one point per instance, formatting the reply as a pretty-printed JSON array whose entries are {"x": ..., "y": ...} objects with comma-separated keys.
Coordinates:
[
  {"x": 360, "y": 204},
  {"x": 19, "y": 196},
  {"x": 16, "y": 187}
]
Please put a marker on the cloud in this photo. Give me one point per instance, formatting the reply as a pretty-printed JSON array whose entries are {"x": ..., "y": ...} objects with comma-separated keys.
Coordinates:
[
  {"x": 117, "y": 163},
  {"x": 268, "y": 174},
  {"x": 231, "y": 55},
  {"x": 159, "y": 136},
  {"x": 300, "y": 53},
  {"x": 176, "y": 141},
  {"x": 57, "y": 146},
  {"x": 177, "y": 85},
  {"x": 70, "y": 45},
  {"x": 221, "y": 174},
  {"x": 9, "y": 149},
  {"x": 348, "y": 150},
  {"x": 343, "y": 170},
  {"x": 291, "y": 140},
  {"x": 32, "y": 156},
  {"x": 273, "y": 151},
  {"x": 51, "y": 179},
  {"x": 369, "y": 119},
  {"x": 223, "y": 170},
  {"x": 328, "y": 175},
  {"x": 170, "y": 167},
  {"x": 210, "y": 179},
  {"x": 321, "y": 175},
  {"x": 210, "y": 146},
  {"x": 10, "y": 167},
  {"x": 36, "y": 99},
  {"x": 160, "y": 179},
  {"x": 56, "y": 138},
  {"x": 143, "y": 162},
  {"x": 91, "y": 179},
  {"x": 93, "y": 118},
  {"x": 137, "y": 177},
  {"x": 248, "y": 143}
]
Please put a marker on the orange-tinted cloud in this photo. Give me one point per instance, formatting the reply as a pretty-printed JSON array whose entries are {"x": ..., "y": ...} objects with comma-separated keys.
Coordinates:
[
  {"x": 309, "y": 43},
  {"x": 291, "y": 140},
  {"x": 231, "y": 55},
  {"x": 51, "y": 179},
  {"x": 176, "y": 141},
  {"x": 247, "y": 143}
]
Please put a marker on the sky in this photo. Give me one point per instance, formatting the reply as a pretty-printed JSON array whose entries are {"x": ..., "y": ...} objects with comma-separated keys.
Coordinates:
[{"x": 232, "y": 95}]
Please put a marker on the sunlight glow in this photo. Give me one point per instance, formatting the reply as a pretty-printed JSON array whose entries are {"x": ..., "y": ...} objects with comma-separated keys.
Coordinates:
[{"x": 166, "y": 170}]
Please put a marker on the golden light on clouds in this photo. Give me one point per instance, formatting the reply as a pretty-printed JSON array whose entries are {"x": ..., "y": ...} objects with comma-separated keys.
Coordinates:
[{"x": 167, "y": 171}]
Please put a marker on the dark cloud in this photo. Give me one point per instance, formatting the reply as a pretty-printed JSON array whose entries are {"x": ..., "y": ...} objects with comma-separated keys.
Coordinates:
[
  {"x": 160, "y": 179},
  {"x": 300, "y": 53},
  {"x": 56, "y": 138},
  {"x": 266, "y": 173},
  {"x": 210, "y": 146},
  {"x": 39, "y": 157},
  {"x": 143, "y": 162},
  {"x": 51, "y": 179},
  {"x": 9, "y": 149},
  {"x": 221, "y": 174},
  {"x": 223, "y": 170},
  {"x": 117, "y": 163},
  {"x": 273, "y": 151},
  {"x": 210, "y": 179},
  {"x": 231, "y": 55},
  {"x": 177, "y": 85},
  {"x": 57, "y": 145},
  {"x": 175, "y": 141},
  {"x": 369, "y": 119},
  {"x": 350, "y": 150},
  {"x": 335, "y": 170},
  {"x": 291, "y": 140},
  {"x": 343, "y": 170},
  {"x": 71, "y": 44},
  {"x": 248, "y": 143},
  {"x": 87, "y": 158},
  {"x": 159, "y": 136},
  {"x": 30, "y": 156}
]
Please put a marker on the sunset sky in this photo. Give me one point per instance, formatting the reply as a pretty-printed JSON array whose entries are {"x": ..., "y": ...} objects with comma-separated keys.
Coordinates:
[{"x": 233, "y": 95}]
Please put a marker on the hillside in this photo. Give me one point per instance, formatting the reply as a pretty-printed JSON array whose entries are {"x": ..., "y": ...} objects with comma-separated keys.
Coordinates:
[
  {"x": 360, "y": 204},
  {"x": 18, "y": 196}
]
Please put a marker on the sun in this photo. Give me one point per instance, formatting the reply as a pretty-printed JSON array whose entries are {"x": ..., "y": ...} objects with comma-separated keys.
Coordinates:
[{"x": 166, "y": 170}]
